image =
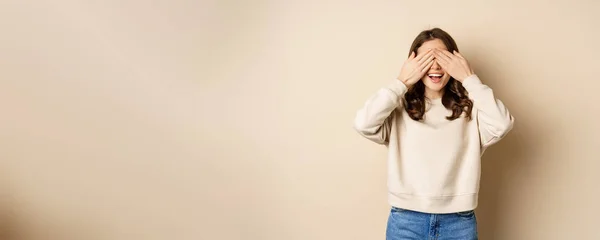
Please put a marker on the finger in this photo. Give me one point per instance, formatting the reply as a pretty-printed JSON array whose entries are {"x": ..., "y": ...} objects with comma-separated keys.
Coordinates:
[
  {"x": 425, "y": 57},
  {"x": 428, "y": 66},
  {"x": 412, "y": 55},
  {"x": 458, "y": 54},
  {"x": 462, "y": 59},
  {"x": 442, "y": 64},
  {"x": 442, "y": 58},
  {"x": 446, "y": 53},
  {"x": 426, "y": 61},
  {"x": 420, "y": 57}
]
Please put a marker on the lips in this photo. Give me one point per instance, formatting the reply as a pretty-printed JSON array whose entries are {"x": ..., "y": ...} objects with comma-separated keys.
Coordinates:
[{"x": 435, "y": 77}]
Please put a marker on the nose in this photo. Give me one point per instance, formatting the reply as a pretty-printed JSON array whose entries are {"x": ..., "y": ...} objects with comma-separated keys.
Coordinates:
[{"x": 435, "y": 65}]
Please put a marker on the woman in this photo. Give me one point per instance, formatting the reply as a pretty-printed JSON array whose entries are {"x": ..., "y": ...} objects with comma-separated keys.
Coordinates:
[{"x": 436, "y": 119}]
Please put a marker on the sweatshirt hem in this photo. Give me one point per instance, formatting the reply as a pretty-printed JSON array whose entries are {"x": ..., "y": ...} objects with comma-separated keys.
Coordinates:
[{"x": 434, "y": 204}]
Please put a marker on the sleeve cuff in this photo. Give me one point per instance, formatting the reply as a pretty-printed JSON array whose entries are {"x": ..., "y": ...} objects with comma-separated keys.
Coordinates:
[
  {"x": 398, "y": 87},
  {"x": 471, "y": 81}
]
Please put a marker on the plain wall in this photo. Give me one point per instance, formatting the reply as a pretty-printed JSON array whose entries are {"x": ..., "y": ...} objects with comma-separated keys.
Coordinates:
[{"x": 195, "y": 120}]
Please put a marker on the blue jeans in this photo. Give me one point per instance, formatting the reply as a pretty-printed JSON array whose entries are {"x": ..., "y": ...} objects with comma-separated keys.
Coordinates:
[{"x": 408, "y": 225}]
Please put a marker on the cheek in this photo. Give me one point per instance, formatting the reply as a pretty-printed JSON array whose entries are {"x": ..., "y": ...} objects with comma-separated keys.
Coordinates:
[
  {"x": 446, "y": 80},
  {"x": 446, "y": 77}
]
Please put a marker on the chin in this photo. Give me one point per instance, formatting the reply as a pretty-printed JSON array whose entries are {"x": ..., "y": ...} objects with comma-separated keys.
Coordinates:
[{"x": 435, "y": 86}]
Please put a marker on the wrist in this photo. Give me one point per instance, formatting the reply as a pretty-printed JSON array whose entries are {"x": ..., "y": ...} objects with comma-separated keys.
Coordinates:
[
  {"x": 404, "y": 81},
  {"x": 468, "y": 75},
  {"x": 471, "y": 81}
]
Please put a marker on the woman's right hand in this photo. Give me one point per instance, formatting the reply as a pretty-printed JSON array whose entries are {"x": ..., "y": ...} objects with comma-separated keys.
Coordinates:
[{"x": 415, "y": 67}]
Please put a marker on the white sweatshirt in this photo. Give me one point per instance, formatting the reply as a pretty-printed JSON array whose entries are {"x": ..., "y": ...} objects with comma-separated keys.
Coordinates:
[{"x": 434, "y": 165}]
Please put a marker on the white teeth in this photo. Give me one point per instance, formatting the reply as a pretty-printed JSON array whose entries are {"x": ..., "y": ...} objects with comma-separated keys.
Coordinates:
[{"x": 435, "y": 75}]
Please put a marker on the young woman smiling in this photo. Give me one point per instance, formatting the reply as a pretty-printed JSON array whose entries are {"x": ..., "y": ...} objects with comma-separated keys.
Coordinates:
[{"x": 436, "y": 119}]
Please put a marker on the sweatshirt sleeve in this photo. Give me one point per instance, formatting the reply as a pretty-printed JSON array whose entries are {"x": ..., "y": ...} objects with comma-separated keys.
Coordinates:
[
  {"x": 493, "y": 118},
  {"x": 373, "y": 120}
]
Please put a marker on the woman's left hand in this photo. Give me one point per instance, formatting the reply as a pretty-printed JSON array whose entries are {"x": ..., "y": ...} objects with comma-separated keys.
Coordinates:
[{"x": 454, "y": 64}]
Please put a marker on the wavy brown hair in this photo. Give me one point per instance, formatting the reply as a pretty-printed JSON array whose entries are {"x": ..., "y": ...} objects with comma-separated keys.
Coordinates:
[{"x": 455, "y": 96}]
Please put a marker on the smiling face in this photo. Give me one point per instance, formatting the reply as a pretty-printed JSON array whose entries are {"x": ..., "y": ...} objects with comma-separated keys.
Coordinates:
[{"x": 436, "y": 78}]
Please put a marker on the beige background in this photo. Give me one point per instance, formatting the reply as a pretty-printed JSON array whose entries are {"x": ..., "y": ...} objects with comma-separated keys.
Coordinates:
[{"x": 233, "y": 119}]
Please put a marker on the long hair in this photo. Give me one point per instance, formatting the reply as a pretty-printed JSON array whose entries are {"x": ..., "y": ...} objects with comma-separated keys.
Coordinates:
[{"x": 455, "y": 96}]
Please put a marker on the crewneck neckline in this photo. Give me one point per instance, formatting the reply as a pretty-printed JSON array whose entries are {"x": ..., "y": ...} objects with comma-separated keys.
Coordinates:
[{"x": 434, "y": 101}]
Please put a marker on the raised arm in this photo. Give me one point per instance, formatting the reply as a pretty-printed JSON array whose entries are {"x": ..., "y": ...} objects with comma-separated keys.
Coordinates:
[
  {"x": 493, "y": 118},
  {"x": 373, "y": 119}
]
